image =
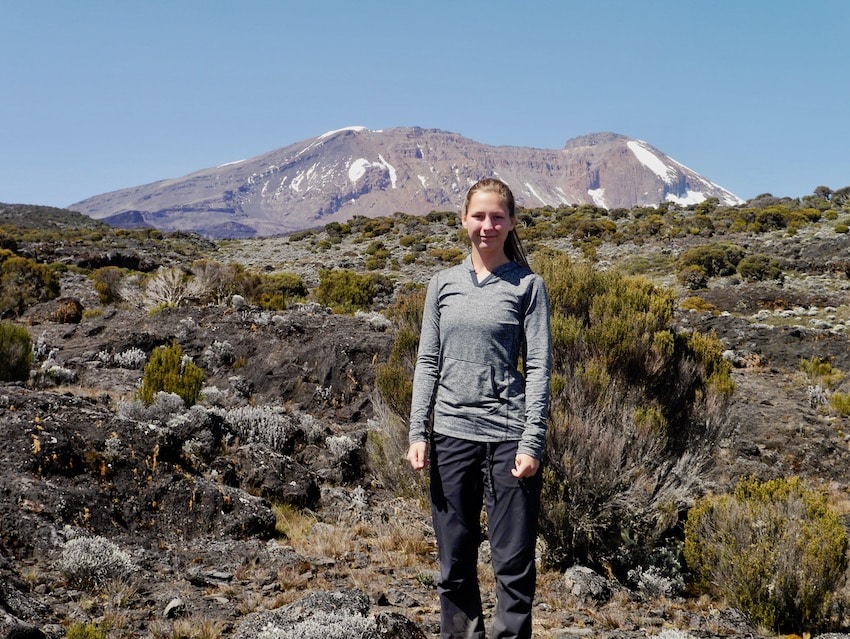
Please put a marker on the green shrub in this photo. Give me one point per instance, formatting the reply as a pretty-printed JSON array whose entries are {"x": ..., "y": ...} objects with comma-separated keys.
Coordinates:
[
  {"x": 170, "y": 371},
  {"x": 840, "y": 403},
  {"x": 693, "y": 277},
  {"x": 23, "y": 283},
  {"x": 15, "y": 352},
  {"x": 107, "y": 281},
  {"x": 90, "y": 630},
  {"x": 696, "y": 303},
  {"x": 376, "y": 262},
  {"x": 758, "y": 267},
  {"x": 345, "y": 290},
  {"x": 714, "y": 259},
  {"x": 300, "y": 235},
  {"x": 387, "y": 443},
  {"x": 394, "y": 379},
  {"x": 276, "y": 289},
  {"x": 635, "y": 412},
  {"x": 449, "y": 255},
  {"x": 775, "y": 550},
  {"x": 820, "y": 370}
]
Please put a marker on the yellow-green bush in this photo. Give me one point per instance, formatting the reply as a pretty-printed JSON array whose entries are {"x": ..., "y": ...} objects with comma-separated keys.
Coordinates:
[
  {"x": 696, "y": 303},
  {"x": 758, "y": 267},
  {"x": 635, "y": 411},
  {"x": 88, "y": 630},
  {"x": 774, "y": 549},
  {"x": 277, "y": 289},
  {"x": 693, "y": 277},
  {"x": 394, "y": 379},
  {"x": 715, "y": 259},
  {"x": 345, "y": 290},
  {"x": 820, "y": 370},
  {"x": 387, "y": 444},
  {"x": 24, "y": 282},
  {"x": 15, "y": 352},
  {"x": 107, "y": 281},
  {"x": 168, "y": 370},
  {"x": 840, "y": 403}
]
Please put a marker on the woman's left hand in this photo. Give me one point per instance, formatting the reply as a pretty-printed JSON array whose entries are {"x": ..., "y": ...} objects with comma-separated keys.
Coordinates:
[{"x": 525, "y": 466}]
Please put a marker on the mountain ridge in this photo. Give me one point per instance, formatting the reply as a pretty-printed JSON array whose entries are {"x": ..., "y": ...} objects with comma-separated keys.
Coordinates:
[{"x": 357, "y": 171}]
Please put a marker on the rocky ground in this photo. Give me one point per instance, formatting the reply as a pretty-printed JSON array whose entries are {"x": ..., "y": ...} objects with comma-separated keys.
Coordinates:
[{"x": 188, "y": 495}]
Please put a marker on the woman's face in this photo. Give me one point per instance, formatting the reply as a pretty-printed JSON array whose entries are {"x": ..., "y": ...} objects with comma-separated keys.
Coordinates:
[{"x": 487, "y": 222}]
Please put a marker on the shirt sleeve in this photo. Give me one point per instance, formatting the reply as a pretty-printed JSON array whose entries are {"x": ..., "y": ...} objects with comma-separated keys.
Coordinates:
[
  {"x": 427, "y": 371},
  {"x": 537, "y": 362}
]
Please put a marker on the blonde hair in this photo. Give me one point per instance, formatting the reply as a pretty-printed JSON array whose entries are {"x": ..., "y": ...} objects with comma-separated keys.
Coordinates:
[{"x": 513, "y": 247}]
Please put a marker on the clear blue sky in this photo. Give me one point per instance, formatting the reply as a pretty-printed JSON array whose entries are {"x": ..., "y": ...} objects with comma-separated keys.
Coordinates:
[{"x": 98, "y": 95}]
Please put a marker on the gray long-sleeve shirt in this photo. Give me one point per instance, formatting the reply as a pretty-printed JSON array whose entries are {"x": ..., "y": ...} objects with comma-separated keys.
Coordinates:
[{"x": 473, "y": 336}]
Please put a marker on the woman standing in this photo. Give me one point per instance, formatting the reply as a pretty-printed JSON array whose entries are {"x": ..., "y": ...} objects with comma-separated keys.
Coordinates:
[{"x": 479, "y": 411}]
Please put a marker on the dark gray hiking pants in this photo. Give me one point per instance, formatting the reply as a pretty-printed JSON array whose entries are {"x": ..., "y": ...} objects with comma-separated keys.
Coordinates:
[{"x": 465, "y": 475}]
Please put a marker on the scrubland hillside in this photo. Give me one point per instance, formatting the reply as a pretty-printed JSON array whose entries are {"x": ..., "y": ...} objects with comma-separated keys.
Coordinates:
[{"x": 205, "y": 439}]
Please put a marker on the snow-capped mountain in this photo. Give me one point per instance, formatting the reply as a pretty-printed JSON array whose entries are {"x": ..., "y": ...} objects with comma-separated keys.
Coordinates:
[{"x": 357, "y": 171}]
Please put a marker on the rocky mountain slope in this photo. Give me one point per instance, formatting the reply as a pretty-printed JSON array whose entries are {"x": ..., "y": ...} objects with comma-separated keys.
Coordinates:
[
  {"x": 355, "y": 171},
  {"x": 226, "y": 531}
]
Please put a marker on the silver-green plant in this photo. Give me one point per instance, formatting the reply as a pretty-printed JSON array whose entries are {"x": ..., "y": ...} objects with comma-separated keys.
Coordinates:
[
  {"x": 93, "y": 562},
  {"x": 324, "y": 625}
]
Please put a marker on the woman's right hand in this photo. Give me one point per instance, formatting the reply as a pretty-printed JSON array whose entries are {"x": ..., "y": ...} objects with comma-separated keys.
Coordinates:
[{"x": 417, "y": 455}]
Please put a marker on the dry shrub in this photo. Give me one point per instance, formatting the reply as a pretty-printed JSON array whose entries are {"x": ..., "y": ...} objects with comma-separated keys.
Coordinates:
[
  {"x": 107, "y": 284},
  {"x": 635, "y": 412},
  {"x": 776, "y": 550},
  {"x": 15, "y": 352},
  {"x": 23, "y": 283},
  {"x": 387, "y": 443}
]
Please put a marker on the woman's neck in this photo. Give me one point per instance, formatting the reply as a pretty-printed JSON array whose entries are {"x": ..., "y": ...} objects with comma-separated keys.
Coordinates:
[{"x": 487, "y": 263}]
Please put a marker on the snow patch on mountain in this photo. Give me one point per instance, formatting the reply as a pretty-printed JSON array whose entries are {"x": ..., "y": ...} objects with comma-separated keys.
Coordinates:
[
  {"x": 357, "y": 169},
  {"x": 536, "y": 194},
  {"x": 356, "y": 129},
  {"x": 691, "y": 197},
  {"x": 651, "y": 161},
  {"x": 598, "y": 197},
  {"x": 390, "y": 169}
]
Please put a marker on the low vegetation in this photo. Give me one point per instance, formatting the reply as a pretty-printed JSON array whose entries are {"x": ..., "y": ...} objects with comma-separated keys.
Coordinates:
[
  {"x": 638, "y": 406},
  {"x": 15, "y": 352},
  {"x": 170, "y": 371},
  {"x": 776, "y": 550}
]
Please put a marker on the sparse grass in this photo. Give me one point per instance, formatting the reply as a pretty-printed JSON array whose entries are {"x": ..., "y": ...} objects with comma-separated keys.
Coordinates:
[
  {"x": 194, "y": 627},
  {"x": 821, "y": 371}
]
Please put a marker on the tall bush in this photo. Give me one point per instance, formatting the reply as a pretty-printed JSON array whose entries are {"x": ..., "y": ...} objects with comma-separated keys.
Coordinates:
[
  {"x": 23, "y": 283},
  {"x": 345, "y": 290},
  {"x": 758, "y": 267},
  {"x": 107, "y": 284},
  {"x": 635, "y": 411},
  {"x": 171, "y": 371},
  {"x": 387, "y": 442},
  {"x": 15, "y": 352},
  {"x": 774, "y": 549},
  {"x": 715, "y": 259}
]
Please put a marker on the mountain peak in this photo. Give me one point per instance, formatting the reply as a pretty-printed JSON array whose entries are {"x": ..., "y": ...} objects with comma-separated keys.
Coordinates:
[{"x": 358, "y": 171}]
